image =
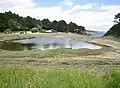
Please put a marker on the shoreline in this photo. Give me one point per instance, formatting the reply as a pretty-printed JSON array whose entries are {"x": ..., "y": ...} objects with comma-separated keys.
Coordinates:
[{"x": 71, "y": 59}]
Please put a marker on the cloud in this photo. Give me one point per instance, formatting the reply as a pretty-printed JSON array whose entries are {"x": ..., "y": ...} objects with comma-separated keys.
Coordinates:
[
  {"x": 84, "y": 6},
  {"x": 68, "y": 2},
  {"x": 13, "y": 3},
  {"x": 93, "y": 16}
]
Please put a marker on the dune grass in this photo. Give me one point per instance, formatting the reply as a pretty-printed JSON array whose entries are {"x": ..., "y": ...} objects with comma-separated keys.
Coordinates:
[{"x": 49, "y": 78}]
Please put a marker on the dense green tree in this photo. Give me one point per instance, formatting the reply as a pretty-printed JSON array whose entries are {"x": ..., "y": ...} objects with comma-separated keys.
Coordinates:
[
  {"x": 72, "y": 27},
  {"x": 13, "y": 25},
  {"x": 54, "y": 25},
  {"x": 46, "y": 24},
  {"x": 29, "y": 23},
  {"x": 117, "y": 18},
  {"x": 14, "y": 22},
  {"x": 62, "y": 26}
]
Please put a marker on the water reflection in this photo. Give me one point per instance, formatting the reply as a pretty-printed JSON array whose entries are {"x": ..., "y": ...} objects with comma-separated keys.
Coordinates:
[
  {"x": 78, "y": 45},
  {"x": 45, "y": 44},
  {"x": 15, "y": 46},
  {"x": 46, "y": 41}
]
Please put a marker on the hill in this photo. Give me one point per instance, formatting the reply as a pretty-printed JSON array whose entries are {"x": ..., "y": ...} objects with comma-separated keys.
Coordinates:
[{"x": 115, "y": 29}]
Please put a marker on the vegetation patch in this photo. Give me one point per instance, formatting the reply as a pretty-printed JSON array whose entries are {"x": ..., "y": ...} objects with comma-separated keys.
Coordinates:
[{"x": 51, "y": 78}]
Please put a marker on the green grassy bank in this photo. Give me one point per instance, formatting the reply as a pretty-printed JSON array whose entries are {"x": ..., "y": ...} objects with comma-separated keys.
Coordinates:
[{"x": 51, "y": 78}]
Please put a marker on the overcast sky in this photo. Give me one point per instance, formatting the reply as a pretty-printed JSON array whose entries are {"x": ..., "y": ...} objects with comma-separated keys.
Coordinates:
[{"x": 93, "y": 14}]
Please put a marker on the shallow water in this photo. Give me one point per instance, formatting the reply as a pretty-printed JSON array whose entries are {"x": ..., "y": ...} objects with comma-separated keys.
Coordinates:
[
  {"x": 96, "y": 33},
  {"x": 45, "y": 43}
]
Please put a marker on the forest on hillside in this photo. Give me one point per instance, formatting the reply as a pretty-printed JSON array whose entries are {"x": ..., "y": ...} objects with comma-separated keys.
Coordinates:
[
  {"x": 115, "y": 29},
  {"x": 14, "y": 22}
]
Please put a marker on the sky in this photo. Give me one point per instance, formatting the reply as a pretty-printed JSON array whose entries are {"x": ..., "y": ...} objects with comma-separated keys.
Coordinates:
[{"x": 95, "y": 15}]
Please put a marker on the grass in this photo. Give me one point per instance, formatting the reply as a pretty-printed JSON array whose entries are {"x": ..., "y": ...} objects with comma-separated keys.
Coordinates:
[
  {"x": 112, "y": 79},
  {"x": 26, "y": 78},
  {"x": 51, "y": 78},
  {"x": 91, "y": 62},
  {"x": 50, "y": 58},
  {"x": 59, "y": 53},
  {"x": 113, "y": 38}
]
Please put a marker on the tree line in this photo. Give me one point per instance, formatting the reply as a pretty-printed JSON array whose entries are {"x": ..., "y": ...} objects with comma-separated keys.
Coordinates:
[{"x": 14, "y": 22}]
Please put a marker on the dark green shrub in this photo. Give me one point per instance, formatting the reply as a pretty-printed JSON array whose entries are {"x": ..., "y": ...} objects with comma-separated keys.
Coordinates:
[
  {"x": 7, "y": 31},
  {"x": 34, "y": 30}
]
